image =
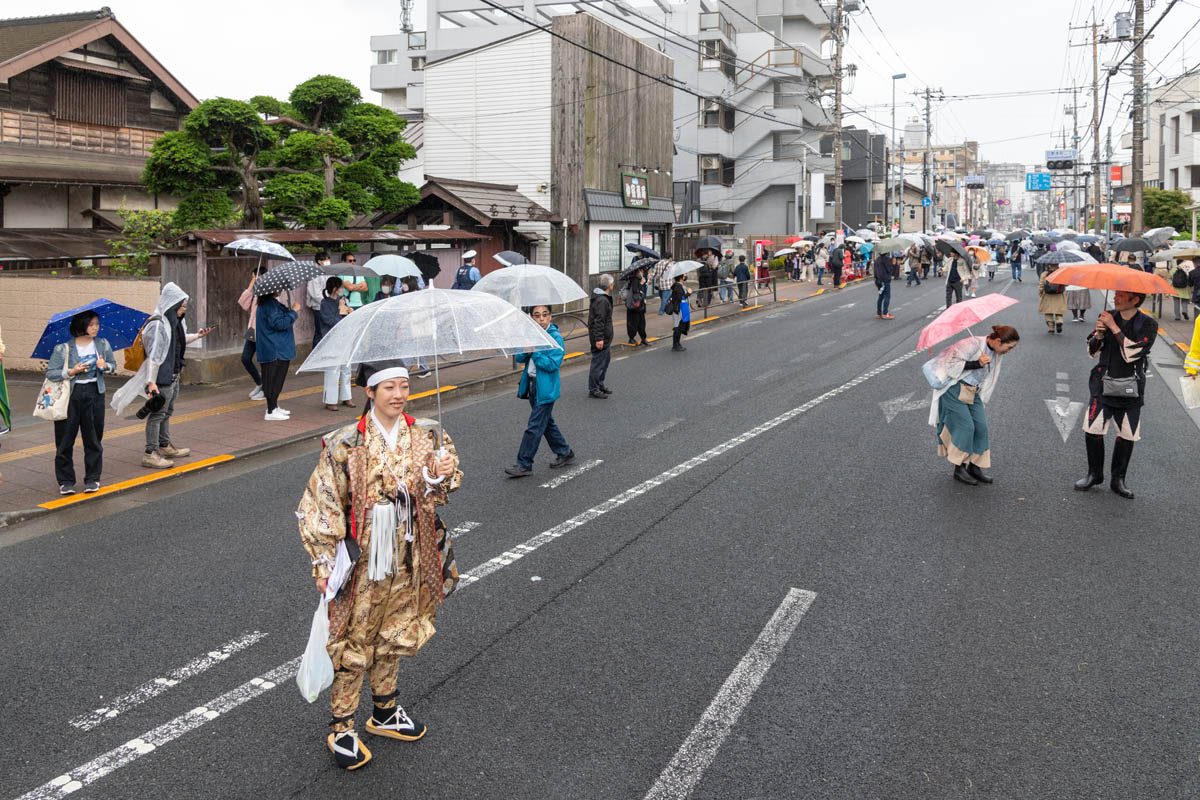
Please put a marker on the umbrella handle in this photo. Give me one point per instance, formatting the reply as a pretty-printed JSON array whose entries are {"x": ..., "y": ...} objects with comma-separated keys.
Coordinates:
[{"x": 431, "y": 481}]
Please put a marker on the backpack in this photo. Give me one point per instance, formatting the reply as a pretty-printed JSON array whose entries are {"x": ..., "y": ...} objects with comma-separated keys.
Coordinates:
[
  {"x": 634, "y": 299},
  {"x": 135, "y": 354},
  {"x": 462, "y": 278},
  {"x": 1054, "y": 288},
  {"x": 1179, "y": 279}
]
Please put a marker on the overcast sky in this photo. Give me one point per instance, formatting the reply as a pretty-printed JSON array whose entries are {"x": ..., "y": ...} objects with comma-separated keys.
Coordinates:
[{"x": 239, "y": 48}]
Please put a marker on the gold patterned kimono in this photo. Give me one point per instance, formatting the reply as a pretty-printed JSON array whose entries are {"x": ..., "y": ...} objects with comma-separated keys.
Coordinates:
[{"x": 391, "y": 617}]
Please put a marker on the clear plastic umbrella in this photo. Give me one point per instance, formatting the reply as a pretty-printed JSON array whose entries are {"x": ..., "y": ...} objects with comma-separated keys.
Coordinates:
[
  {"x": 530, "y": 285},
  {"x": 428, "y": 323},
  {"x": 396, "y": 266},
  {"x": 682, "y": 268}
]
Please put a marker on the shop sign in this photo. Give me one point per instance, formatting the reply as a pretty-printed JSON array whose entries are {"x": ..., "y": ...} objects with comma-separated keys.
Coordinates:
[{"x": 635, "y": 191}]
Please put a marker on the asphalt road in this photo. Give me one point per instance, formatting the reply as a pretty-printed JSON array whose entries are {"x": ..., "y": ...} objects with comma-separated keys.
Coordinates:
[{"x": 1020, "y": 640}]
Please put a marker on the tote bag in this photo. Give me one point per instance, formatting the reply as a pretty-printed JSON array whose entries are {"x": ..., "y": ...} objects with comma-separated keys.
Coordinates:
[{"x": 53, "y": 399}]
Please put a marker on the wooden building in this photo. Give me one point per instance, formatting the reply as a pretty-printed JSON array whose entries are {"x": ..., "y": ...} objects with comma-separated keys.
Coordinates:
[{"x": 81, "y": 104}]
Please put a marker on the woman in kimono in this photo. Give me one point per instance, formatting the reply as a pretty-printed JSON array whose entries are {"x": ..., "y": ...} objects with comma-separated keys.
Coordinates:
[
  {"x": 1052, "y": 302},
  {"x": 963, "y": 377},
  {"x": 370, "y": 505}
]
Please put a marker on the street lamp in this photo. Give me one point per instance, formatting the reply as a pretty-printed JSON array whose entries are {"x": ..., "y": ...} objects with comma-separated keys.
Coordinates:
[{"x": 898, "y": 197}]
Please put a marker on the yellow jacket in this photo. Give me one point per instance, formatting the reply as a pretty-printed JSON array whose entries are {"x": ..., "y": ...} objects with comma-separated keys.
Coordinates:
[{"x": 1192, "y": 362}]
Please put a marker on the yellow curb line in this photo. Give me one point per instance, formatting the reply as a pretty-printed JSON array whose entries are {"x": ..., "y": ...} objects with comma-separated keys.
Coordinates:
[
  {"x": 571, "y": 355},
  {"x": 431, "y": 392},
  {"x": 132, "y": 482}
]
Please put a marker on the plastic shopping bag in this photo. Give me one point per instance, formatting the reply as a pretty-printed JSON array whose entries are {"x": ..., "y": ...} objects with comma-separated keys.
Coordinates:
[{"x": 316, "y": 670}]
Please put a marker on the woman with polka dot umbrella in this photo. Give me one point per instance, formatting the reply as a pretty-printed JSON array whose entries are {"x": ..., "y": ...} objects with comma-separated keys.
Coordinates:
[{"x": 118, "y": 324}]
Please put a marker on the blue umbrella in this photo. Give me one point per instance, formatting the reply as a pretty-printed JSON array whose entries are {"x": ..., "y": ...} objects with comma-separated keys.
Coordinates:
[
  {"x": 641, "y": 248},
  {"x": 118, "y": 324}
]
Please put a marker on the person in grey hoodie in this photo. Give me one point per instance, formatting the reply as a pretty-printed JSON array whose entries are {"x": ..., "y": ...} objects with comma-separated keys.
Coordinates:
[{"x": 600, "y": 334}]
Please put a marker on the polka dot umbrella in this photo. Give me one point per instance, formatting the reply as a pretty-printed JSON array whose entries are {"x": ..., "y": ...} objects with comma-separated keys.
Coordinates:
[
  {"x": 286, "y": 276},
  {"x": 260, "y": 247}
]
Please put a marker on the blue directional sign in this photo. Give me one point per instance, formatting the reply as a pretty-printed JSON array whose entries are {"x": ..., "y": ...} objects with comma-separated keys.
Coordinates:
[
  {"x": 1037, "y": 181},
  {"x": 925, "y": 201}
]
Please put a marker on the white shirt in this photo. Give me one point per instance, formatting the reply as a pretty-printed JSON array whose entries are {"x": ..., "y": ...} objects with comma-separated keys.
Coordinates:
[
  {"x": 86, "y": 350},
  {"x": 392, "y": 436}
]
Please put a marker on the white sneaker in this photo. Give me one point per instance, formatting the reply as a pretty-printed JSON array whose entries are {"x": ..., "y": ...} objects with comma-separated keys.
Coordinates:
[
  {"x": 257, "y": 394},
  {"x": 275, "y": 416},
  {"x": 283, "y": 411}
]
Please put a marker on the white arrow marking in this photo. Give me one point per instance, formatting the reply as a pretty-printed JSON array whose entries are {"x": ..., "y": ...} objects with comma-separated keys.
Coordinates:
[
  {"x": 1065, "y": 414},
  {"x": 892, "y": 408}
]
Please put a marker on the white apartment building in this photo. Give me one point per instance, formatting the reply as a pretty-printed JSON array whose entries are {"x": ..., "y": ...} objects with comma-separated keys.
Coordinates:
[
  {"x": 740, "y": 148},
  {"x": 1171, "y": 153}
]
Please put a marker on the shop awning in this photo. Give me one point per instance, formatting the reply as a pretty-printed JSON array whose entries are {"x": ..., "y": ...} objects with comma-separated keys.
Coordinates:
[{"x": 603, "y": 206}]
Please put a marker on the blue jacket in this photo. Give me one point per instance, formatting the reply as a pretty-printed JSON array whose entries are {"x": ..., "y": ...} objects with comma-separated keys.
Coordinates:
[
  {"x": 274, "y": 339},
  {"x": 547, "y": 363},
  {"x": 65, "y": 356}
]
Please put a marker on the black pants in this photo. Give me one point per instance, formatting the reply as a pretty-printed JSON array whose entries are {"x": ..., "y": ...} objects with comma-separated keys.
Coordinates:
[
  {"x": 599, "y": 368},
  {"x": 675, "y": 334},
  {"x": 248, "y": 363},
  {"x": 316, "y": 321},
  {"x": 954, "y": 293},
  {"x": 85, "y": 414},
  {"x": 837, "y": 276},
  {"x": 273, "y": 375},
  {"x": 635, "y": 324}
]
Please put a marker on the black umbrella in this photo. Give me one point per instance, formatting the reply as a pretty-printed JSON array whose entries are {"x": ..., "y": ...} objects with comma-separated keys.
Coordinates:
[
  {"x": 951, "y": 248},
  {"x": 286, "y": 276},
  {"x": 646, "y": 251},
  {"x": 349, "y": 269},
  {"x": 709, "y": 243},
  {"x": 1042, "y": 240},
  {"x": 426, "y": 262},
  {"x": 510, "y": 258},
  {"x": 1133, "y": 244},
  {"x": 641, "y": 263},
  {"x": 1016, "y": 236},
  {"x": 981, "y": 232}
]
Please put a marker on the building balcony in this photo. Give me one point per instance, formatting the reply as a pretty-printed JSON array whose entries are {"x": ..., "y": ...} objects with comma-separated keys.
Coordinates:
[
  {"x": 31, "y": 129},
  {"x": 393, "y": 76}
]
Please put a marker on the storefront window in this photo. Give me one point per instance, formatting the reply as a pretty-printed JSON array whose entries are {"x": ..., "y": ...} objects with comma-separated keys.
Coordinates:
[{"x": 610, "y": 251}]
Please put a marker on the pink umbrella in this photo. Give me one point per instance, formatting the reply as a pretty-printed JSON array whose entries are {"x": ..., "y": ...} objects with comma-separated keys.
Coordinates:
[{"x": 961, "y": 316}]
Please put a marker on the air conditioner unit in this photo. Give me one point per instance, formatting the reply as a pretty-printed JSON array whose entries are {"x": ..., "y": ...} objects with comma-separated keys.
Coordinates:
[
  {"x": 852, "y": 5},
  {"x": 710, "y": 162}
]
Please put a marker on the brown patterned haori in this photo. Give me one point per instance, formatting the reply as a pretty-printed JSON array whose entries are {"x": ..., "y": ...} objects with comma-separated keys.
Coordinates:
[{"x": 372, "y": 624}]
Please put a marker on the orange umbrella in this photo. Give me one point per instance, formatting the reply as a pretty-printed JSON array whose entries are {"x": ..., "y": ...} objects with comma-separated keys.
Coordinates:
[
  {"x": 982, "y": 255},
  {"x": 1110, "y": 277}
]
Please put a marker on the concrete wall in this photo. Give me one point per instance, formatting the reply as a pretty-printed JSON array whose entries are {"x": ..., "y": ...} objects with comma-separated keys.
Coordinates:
[
  {"x": 769, "y": 210},
  {"x": 36, "y": 206},
  {"x": 28, "y": 302}
]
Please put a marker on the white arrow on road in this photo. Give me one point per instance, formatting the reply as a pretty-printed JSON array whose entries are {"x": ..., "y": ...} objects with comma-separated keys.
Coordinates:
[
  {"x": 1065, "y": 414},
  {"x": 892, "y": 408}
]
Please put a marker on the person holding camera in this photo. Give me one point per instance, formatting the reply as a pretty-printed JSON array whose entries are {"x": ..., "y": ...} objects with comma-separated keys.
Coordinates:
[{"x": 84, "y": 360}]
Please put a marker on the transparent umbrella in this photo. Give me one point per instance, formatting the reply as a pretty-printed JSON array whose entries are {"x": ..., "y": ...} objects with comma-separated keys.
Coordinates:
[
  {"x": 428, "y": 323},
  {"x": 396, "y": 266},
  {"x": 682, "y": 268},
  {"x": 530, "y": 285}
]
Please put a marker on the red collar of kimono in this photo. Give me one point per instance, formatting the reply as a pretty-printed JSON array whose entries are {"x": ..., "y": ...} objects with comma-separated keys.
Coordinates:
[{"x": 362, "y": 422}]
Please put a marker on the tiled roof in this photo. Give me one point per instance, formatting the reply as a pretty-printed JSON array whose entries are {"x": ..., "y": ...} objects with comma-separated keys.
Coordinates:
[
  {"x": 605, "y": 206},
  {"x": 20, "y": 35},
  {"x": 485, "y": 201}
]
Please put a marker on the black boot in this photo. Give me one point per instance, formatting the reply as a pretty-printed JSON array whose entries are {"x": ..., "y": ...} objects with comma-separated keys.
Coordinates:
[
  {"x": 1095, "y": 457},
  {"x": 979, "y": 475},
  {"x": 1120, "y": 462},
  {"x": 963, "y": 476}
]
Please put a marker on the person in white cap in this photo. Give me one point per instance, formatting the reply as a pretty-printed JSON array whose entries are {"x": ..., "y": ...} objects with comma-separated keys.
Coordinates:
[
  {"x": 372, "y": 502},
  {"x": 468, "y": 274}
]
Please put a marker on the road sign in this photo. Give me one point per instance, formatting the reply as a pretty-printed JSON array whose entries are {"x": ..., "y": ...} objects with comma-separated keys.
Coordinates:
[
  {"x": 1004, "y": 202},
  {"x": 925, "y": 201},
  {"x": 1037, "y": 181},
  {"x": 1065, "y": 154}
]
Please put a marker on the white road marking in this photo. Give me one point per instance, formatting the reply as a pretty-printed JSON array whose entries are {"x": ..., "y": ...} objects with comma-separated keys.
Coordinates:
[
  {"x": 554, "y": 483},
  {"x": 753, "y": 322},
  {"x": 892, "y": 408},
  {"x": 136, "y": 748},
  {"x": 1062, "y": 376},
  {"x": 1064, "y": 414},
  {"x": 802, "y": 357},
  {"x": 826, "y": 345},
  {"x": 721, "y": 398},
  {"x": 650, "y": 433},
  {"x": 157, "y": 686},
  {"x": 680, "y": 777},
  {"x": 595, "y": 512},
  {"x": 1062, "y": 387},
  {"x": 466, "y": 527},
  {"x": 771, "y": 373},
  {"x": 127, "y": 753}
]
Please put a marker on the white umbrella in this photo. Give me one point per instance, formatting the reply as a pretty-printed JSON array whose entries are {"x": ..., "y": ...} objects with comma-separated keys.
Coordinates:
[
  {"x": 784, "y": 251},
  {"x": 856, "y": 239},
  {"x": 682, "y": 268},
  {"x": 530, "y": 285},
  {"x": 260, "y": 247},
  {"x": 432, "y": 322},
  {"x": 894, "y": 243},
  {"x": 391, "y": 264},
  {"x": 1158, "y": 236}
]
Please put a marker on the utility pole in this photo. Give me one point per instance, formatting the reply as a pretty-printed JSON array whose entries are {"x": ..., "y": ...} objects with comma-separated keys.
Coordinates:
[
  {"x": 1095, "y": 126},
  {"x": 927, "y": 158},
  {"x": 1075, "y": 162},
  {"x": 839, "y": 38},
  {"x": 1139, "y": 114},
  {"x": 1108, "y": 162}
]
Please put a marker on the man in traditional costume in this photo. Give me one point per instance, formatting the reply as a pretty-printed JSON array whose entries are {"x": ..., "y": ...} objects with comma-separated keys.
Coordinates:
[
  {"x": 374, "y": 494},
  {"x": 1121, "y": 344},
  {"x": 963, "y": 377}
]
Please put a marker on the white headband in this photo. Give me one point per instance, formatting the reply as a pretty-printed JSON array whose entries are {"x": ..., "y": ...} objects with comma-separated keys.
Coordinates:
[{"x": 386, "y": 375}]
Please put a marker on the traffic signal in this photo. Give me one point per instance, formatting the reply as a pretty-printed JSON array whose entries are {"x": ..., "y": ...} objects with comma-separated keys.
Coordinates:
[
  {"x": 1064, "y": 164},
  {"x": 912, "y": 212}
]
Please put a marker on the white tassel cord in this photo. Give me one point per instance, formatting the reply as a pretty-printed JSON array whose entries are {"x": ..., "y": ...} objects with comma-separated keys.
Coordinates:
[{"x": 382, "y": 559}]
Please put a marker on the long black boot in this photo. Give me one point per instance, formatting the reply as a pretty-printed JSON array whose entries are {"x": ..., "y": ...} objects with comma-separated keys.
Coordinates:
[
  {"x": 1095, "y": 457},
  {"x": 1120, "y": 463}
]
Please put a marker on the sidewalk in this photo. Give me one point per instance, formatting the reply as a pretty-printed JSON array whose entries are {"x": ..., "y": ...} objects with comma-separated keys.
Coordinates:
[{"x": 219, "y": 423}]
